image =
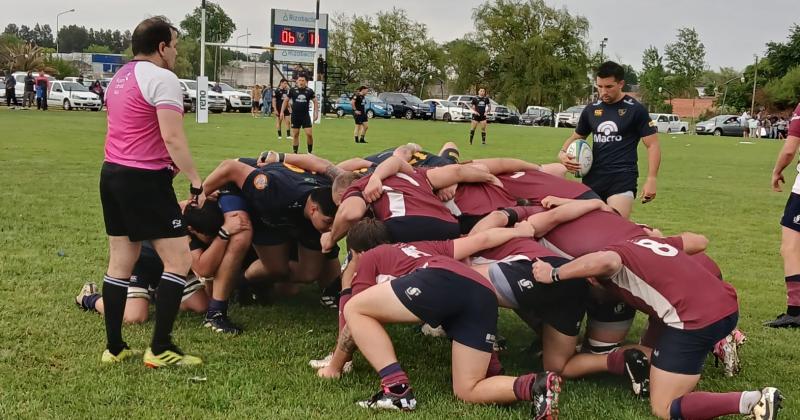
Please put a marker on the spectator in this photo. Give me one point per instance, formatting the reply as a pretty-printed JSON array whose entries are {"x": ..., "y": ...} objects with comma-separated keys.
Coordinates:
[
  {"x": 781, "y": 126},
  {"x": 29, "y": 96},
  {"x": 97, "y": 88},
  {"x": 42, "y": 85},
  {"x": 266, "y": 100},
  {"x": 754, "y": 128},
  {"x": 217, "y": 88},
  {"x": 11, "y": 90},
  {"x": 255, "y": 94},
  {"x": 80, "y": 80},
  {"x": 744, "y": 121}
]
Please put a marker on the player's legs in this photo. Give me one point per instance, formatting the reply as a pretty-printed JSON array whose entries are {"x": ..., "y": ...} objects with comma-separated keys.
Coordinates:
[
  {"x": 484, "y": 123},
  {"x": 470, "y": 383},
  {"x": 309, "y": 139},
  {"x": 287, "y": 122},
  {"x": 356, "y": 131},
  {"x": 473, "y": 124},
  {"x": 364, "y": 128},
  {"x": 272, "y": 264},
  {"x": 123, "y": 255},
  {"x": 196, "y": 302},
  {"x": 177, "y": 260},
  {"x": 278, "y": 124},
  {"x": 790, "y": 251},
  {"x": 295, "y": 139},
  {"x": 622, "y": 203}
]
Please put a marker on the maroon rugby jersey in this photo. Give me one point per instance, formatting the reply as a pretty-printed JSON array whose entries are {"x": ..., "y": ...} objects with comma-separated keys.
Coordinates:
[
  {"x": 512, "y": 250},
  {"x": 662, "y": 281},
  {"x": 535, "y": 185},
  {"x": 404, "y": 195},
  {"x": 701, "y": 257},
  {"x": 794, "y": 122},
  {"x": 479, "y": 199},
  {"x": 388, "y": 262}
]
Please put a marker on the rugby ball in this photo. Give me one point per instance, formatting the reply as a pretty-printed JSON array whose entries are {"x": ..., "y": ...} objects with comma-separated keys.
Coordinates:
[{"x": 583, "y": 154}]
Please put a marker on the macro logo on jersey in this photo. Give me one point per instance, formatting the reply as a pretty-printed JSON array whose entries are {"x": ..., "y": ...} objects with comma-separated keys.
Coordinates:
[
  {"x": 301, "y": 98},
  {"x": 607, "y": 132}
]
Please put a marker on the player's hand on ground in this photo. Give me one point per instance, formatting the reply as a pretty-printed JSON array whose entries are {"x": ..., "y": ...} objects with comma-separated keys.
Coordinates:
[
  {"x": 525, "y": 229},
  {"x": 447, "y": 193},
  {"x": 373, "y": 190},
  {"x": 569, "y": 161},
  {"x": 235, "y": 224},
  {"x": 777, "y": 180},
  {"x": 649, "y": 190},
  {"x": 326, "y": 242},
  {"x": 541, "y": 271}
]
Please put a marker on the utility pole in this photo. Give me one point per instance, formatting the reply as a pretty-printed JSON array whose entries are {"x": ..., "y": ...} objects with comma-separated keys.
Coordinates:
[
  {"x": 57, "y": 16},
  {"x": 755, "y": 79},
  {"x": 603, "y": 44}
]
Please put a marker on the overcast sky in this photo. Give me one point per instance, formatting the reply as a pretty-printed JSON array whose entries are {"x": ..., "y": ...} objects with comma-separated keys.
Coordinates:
[{"x": 732, "y": 30}]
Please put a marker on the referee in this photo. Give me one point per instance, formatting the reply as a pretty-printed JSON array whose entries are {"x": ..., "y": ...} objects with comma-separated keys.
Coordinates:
[
  {"x": 145, "y": 148},
  {"x": 359, "y": 114},
  {"x": 616, "y": 122}
]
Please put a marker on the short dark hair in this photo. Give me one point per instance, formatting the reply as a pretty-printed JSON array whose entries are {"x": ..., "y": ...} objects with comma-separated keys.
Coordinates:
[
  {"x": 611, "y": 69},
  {"x": 324, "y": 199},
  {"x": 360, "y": 88},
  {"x": 367, "y": 234},
  {"x": 206, "y": 220},
  {"x": 283, "y": 80},
  {"x": 150, "y": 33},
  {"x": 303, "y": 75}
]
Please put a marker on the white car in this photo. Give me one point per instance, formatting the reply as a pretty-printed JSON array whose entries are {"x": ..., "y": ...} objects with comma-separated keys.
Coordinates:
[
  {"x": 570, "y": 116},
  {"x": 216, "y": 102},
  {"x": 234, "y": 99},
  {"x": 72, "y": 95},
  {"x": 448, "y": 111},
  {"x": 669, "y": 123}
]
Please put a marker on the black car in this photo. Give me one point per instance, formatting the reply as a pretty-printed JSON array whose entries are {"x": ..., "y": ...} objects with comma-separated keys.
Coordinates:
[
  {"x": 538, "y": 117},
  {"x": 504, "y": 116},
  {"x": 406, "y": 105}
]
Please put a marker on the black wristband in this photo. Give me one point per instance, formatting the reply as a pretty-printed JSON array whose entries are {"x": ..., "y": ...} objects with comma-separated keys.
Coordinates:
[
  {"x": 554, "y": 275},
  {"x": 513, "y": 217},
  {"x": 281, "y": 157},
  {"x": 223, "y": 234},
  {"x": 195, "y": 191}
]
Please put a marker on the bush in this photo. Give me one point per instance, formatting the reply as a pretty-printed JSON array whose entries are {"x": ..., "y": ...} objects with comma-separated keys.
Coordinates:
[
  {"x": 60, "y": 68},
  {"x": 784, "y": 92}
]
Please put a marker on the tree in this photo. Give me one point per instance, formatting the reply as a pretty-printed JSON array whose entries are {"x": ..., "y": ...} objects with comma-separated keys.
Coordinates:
[
  {"x": 73, "y": 38},
  {"x": 344, "y": 53},
  {"x": 784, "y": 56},
  {"x": 652, "y": 77},
  {"x": 631, "y": 77},
  {"x": 468, "y": 61},
  {"x": 98, "y": 49},
  {"x": 43, "y": 36},
  {"x": 219, "y": 26},
  {"x": 686, "y": 59},
  {"x": 12, "y": 29},
  {"x": 21, "y": 57},
  {"x": 538, "y": 54},
  {"x": 783, "y": 93}
]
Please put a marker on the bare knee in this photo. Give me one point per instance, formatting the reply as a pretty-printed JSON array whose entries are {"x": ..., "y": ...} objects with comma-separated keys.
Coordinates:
[
  {"x": 137, "y": 318},
  {"x": 466, "y": 392},
  {"x": 660, "y": 411}
]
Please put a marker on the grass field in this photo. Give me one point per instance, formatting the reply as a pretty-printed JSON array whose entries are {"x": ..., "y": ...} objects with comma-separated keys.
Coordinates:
[{"x": 49, "y": 350}]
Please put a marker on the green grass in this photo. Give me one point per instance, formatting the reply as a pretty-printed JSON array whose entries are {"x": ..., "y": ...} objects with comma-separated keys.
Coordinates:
[{"x": 49, "y": 351}]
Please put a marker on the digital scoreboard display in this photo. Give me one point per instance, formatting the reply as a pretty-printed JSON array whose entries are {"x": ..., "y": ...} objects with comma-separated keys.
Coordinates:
[{"x": 298, "y": 37}]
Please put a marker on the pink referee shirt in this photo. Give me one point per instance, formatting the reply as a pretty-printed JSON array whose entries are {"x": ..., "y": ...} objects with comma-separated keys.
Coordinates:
[{"x": 136, "y": 92}]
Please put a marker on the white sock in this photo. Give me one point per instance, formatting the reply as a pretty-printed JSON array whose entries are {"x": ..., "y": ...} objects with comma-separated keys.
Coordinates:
[{"x": 748, "y": 400}]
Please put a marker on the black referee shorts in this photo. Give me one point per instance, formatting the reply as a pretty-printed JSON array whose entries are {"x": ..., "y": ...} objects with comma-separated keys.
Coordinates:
[
  {"x": 139, "y": 203},
  {"x": 301, "y": 120}
]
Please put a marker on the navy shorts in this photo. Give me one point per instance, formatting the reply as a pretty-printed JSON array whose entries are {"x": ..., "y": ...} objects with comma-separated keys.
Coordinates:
[
  {"x": 606, "y": 185},
  {"x": 607, "y": 309},
  {"x": 465, "y": 309},
  {"x": 791, "y": 214},
  {"x": 478, "y": 117},
  {"x": 685, "y": 351},
  {"x": 561, "y": 305},
  {"x": 360, "y": 119},
  {"x": 421, "y": 228},
  {"x": 302, "y": 120}
]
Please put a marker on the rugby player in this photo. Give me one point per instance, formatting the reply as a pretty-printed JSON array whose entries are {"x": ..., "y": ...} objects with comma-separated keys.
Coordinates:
[
  {"x": 411, "y": 153},
  {"x": 359, "y": 114},
  {"x": 145, "y": 146},
  {"x": 697, "y": 309},
  {"x": 616, "y": 122},
  {"x": 790, "y": 230},
  {"x": 480, "y": 106},
  {"x": 278, "y": 97},
  {"x": 301, "y": 96}
]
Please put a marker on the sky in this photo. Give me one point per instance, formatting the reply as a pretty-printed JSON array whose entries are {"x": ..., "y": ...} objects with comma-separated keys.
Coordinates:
[{"x": 732, "y": 30}]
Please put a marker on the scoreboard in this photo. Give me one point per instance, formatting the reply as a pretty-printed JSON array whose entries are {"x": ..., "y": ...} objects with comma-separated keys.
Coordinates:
[{"x": 292, "y": 34}]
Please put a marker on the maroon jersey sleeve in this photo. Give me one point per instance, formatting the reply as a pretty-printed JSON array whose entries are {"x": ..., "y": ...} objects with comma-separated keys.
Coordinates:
[
  {"x": 590, "y": 233},
  {"x": 663, "y": 281},
  {"x": 794, "y": 123},
  {"x": 524, "y": 247},
  {"x": 443, "y": 248},
  {"x": 410, "y": 195},
  {"x": 366, "y": 273},
  {"x": 701, "y": 257},
  {"x": 535, "y": 185},
  {"x": 480, "y": 199},
  {"x": 675, "y": 240}
]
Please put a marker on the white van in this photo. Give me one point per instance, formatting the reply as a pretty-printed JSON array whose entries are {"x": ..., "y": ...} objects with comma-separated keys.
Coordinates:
[
  {"x": 72, "y": 95},
  {"x": 216, "y": 102}
]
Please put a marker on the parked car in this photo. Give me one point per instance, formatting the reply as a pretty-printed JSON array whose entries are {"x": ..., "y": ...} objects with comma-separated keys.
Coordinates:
[
  {"x": 234, "y": 100},
  {"x": 449, "y": 111},
  {"x": 72, "y": 95},
  {"x": 373, "y": 106},
  {"x": 537, "y": 115},
  {"x": 669, "y": 123},
  {"x": 216, "y": 102},
  {"x": 504, "y": 115},
  {"x": 569, "y": 117},
  {"x": 406, "y": 105},
  {"x": 722, "y": 125},
  {"x": 466, "y": 100}
]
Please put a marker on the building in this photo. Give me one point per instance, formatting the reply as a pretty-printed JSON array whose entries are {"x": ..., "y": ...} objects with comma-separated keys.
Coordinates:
[{"x": 92, "y": 64}]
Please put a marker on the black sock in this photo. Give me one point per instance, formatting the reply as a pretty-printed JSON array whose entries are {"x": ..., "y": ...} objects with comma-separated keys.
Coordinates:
[
  {"x": 793, "y": 310},
  {"x": 483, "y": 136},
  {"x": 356, "y": 137},
  {"x": 89, "y": 303},
  {"x": 115, "y": 294},
  {"x": 279, "y": 133},
  {"x": 168, "y": 301},
  {"x": 295, "y": 148},
  {"x": 288, "y": 134},
  {"x": 362, "y": 139},
  {"x": 310, "y": 147},
  {"x": 471, "y": 135}
]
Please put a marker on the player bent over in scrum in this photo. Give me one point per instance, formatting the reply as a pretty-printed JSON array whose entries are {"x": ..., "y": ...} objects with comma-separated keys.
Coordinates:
[{"x": 697, "y": 309}]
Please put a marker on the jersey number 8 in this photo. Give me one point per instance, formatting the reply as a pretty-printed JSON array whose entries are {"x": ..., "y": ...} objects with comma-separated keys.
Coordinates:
[{"x": 658, "y": 248}]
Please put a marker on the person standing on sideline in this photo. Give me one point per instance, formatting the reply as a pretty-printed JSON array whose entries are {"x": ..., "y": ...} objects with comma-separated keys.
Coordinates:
[
  {"x": 29, "y": 95},
  {"x": 11, "y": 90},
  {"x": 744, "y": 121},
  {"x": 790, "y": 230},
  {"x": 480, "y": 106},
  {"x": 97, "y": 88},
  {"x": 277, "y": 103},
  {"x": 42, "y": 84},
  {"x": 616, "y": 122},
  {"x": 255, "y": 105},
  {"x": 301, "y": 97},
  {"x": 266, "y": 100},
  {"x": 145, "y": 147},
  {"x": 359, "y": 114}
]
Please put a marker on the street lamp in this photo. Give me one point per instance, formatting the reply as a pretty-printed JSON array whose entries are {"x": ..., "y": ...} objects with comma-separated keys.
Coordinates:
[
  {"x": 603, "y": 44},
  {"x": 57, "y": 16},
  {"x": 725, "y": 95},
  {"x": 661, "y": 89}
]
